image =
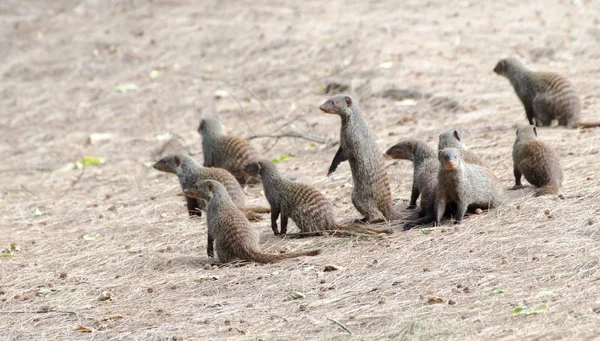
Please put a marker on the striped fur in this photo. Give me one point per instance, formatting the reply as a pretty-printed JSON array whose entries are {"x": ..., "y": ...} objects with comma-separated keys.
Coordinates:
[
  {"x": 229, "y": 230},
  {"x": 223, "y": 151},
  {"x": 306, "y": 206},
  {"x": 371, "y": 194},
  {"x": 546, "y": 96}
]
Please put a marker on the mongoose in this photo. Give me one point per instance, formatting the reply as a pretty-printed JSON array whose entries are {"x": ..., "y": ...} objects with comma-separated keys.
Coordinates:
[
  {"x": 536, "y": 161},
  {"x": 455, "y": 138},
  {"x": 223, "y": 151},
  {"x": 371, "y": 193},
  {"x": 189, "y": 172},
  {"x": 306, "y": 206},
  {"x": 228, "y": 227},
  {"x": 546, "y": 96},
  {"x": 425, "y": 182},
  {"x": 466, "y": 185}
]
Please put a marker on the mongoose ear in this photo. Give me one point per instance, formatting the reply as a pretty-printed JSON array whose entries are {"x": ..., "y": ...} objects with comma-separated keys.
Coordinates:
[
  {"x": 411, "y": 147},
  {"x": 456, "y": 134},
  {"x": 535, "y": 131},
  {"x": 348, "y": 100},
  {"x": 178, "y": 160},
  {"x": 210, "y": 185}
]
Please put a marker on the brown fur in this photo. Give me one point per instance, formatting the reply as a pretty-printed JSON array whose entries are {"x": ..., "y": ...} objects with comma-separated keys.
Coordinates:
[
  {"x": 189, "y": 172},
  {"x": 371, "y": 193},
  {"x": 229, "y": 229},
  {"x": 536, "y": 161},
  {"x": 466, "y": 185},
  {"x": 306, "y": 206}
]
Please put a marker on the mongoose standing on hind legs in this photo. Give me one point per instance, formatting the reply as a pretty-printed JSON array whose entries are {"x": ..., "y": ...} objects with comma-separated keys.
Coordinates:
[
  {"x": 466, "y": 185},
  {"x": 371, "y": 194},
  {"x": 229, "y": 229},
  {"x": 189, "y": 172},
  {"x": 306, "y": 206},
  {"x": 546, "y": 96},
  {"x": 223, "y": 151},
  {"x": 455, "y": 138},
  {"x": 537, "y": 162},
  {"x": 425, "y": 182}
]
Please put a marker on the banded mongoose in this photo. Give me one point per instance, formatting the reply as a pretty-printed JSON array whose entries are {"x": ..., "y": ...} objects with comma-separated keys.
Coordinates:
[
  {"x": 371, "y": 193},
  {"x": 466, "y": 185},
  {"x": 229, "y": 152},
  {"x": 537, "y": 162},
  {"x": 189, "y": 172},
  {"x": 306, "y": 206},
  {"x": 229, "y": 229},
  {"x": 546, "y": 96},
  {"x": 455, "y": 138},
  {"x": 425, "y": 173}
]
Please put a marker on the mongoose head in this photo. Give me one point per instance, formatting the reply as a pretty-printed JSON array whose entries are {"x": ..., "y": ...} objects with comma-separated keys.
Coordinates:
[
  {"x": 454, "y": 138},
  {"x": 404, "y": 150},
  {"x": 506, "y": 65},
  {"x": 202, "y": 190},
  {"x": 258, "y": 169},
  {"x": 450, "y": 159},
  {"x": 168, "y": 164},
  {"x": 526, "y": 133},
  {"x": 210, "y": 126},
  {"x": 338, "y": 105}
]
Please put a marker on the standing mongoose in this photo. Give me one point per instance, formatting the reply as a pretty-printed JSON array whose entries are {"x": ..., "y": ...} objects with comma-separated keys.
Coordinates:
[
  {"x": 546, "y": 96},
  {"x": 189, "y": 172},
  {"x": 425, "y": 173},
  {"x": 223, "y": 151},
  {"x": 455, "y": 138},
  {"x": 537, "y": 162},
  {"x": 466, "y": 185},
  {"x": 306, "y": 206},
  {"x": 371, "y": 193},
  {"x": 228, "y": 227}
]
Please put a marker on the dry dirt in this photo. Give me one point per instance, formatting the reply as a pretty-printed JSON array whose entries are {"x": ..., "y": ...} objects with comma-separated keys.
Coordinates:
[{"x": 120, "y": 230}]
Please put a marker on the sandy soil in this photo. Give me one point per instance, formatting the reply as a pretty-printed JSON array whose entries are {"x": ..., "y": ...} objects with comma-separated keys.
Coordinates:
[{"x": 119, "y": 230}]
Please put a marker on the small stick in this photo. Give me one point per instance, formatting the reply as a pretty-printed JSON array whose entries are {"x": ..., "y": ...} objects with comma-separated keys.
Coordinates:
[
  {"x": 341, "y": 325},
  {"x": 299, "y": 136}
]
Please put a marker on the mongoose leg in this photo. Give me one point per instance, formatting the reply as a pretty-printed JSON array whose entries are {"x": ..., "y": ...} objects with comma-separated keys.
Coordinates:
[
  {"x": 210, "y": 251},
  {"x": 274, "y": 216},
  {"x": 440, "y": 207},
  {"x": 414, "y": 196},
  {"x": 461, "y": 209},
  {"x": 337, "y": 159},
  {"x": 284, "y": 223},
  {"x": 529, "y": 112},
  {"x": 193, "y": 207},
  {"x": 518, "y": 184}
]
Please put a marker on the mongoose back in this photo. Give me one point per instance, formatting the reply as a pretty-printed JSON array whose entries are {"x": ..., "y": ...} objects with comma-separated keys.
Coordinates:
[
  {"x": 189, "y": 172},
  {"x": 371, "y": 193},
  {"x": 546, "y": 96},
  {"x": 536, "y": 161},
  {"x": 425, "y": 173},
  {"x": 229, "y": 229},
  {"x": 466, "y": 185},
  {"x": 455, "y": 138},
  {"x": 306, "y": 206},
  {"x": 223, "y": 151}
]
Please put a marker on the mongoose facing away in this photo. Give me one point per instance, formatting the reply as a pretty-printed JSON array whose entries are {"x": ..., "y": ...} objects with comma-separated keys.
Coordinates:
[
  {"x": 466, "y": 185},
  {"x": 455, "y": 138},
  {"x": 371, "y": 193},
  {"x": 229, "y": 152},
  {"x": 536, "y": 161},
  {"x": 189, "y": 172},
  {"x": 425, "y": 173},
  {"x": 306, "y": 206},
  {"x": 229, "y": 229},
  {"x": 545, "y": 95}
]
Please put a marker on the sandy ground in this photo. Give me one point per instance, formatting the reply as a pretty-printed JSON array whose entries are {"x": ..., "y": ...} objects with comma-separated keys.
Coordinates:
[{"x": 138, "y": 70}]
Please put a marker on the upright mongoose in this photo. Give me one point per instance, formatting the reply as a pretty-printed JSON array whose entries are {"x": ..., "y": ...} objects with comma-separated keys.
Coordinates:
[
  {"x": 224, "y": 151},
  {"x": 455, "y": 138},
  {"x": 230, "y": 230},
  {"x": 545, "y": 95},
  {"x": 425, "y": 173},
  {"x": 189, "y": 172},
  {"x": 466, "y": 185},
  {"x": 306, "y": 206},
  {"x": 536, "y": 161},
  {"x": 371, "y": 193}
]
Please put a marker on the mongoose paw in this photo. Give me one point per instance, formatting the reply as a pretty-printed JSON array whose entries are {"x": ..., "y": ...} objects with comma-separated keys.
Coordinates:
[
  {"x": 361, "y": 221},
  {"x": 211, "y": 254},
  {"x": 456, "y": 222},
  {"x": 412, "y": 206},
  {"x": 517, "y": 187},
  {"x": 408, "y": 226}
]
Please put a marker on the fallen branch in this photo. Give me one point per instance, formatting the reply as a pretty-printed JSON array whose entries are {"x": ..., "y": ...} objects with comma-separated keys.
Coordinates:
[
  {"x": 298, "y": 136},
  {"x": 341, "y": 325}
]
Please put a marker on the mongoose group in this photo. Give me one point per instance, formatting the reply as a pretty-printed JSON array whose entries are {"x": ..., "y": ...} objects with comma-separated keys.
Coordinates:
[{"x": 449, "y": 181}]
